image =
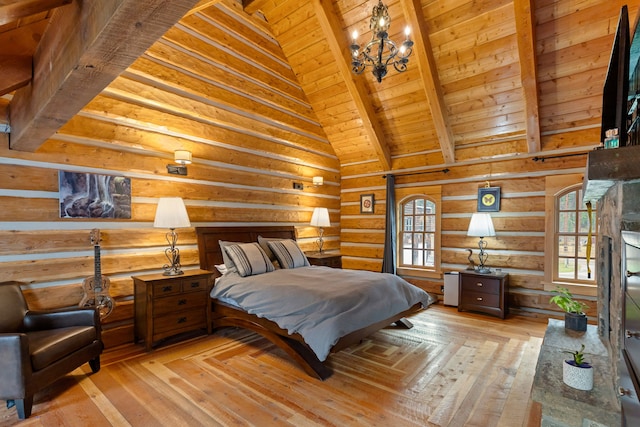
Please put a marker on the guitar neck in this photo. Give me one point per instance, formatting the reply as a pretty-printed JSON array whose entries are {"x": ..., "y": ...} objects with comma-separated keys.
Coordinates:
[{"x": 97, "y": 272}]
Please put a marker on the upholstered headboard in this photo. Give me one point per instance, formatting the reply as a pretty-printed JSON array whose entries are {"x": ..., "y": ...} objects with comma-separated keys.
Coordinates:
[{"x": 208, "y": 237}]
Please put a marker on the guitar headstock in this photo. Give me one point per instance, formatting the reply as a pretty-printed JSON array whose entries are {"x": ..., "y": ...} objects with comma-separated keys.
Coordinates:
[{"x": 94, "y": 236}]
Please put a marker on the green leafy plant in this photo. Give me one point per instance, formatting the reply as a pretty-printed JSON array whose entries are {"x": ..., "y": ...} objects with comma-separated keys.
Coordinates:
[
  {"x": 564, "y": 299},
  {"x": 578, "y": 358}
]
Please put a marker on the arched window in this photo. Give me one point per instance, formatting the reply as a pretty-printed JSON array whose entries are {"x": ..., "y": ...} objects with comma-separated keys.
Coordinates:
[
  {"x": 418, "y": 239},
  {"x": 574, "y": 237}
]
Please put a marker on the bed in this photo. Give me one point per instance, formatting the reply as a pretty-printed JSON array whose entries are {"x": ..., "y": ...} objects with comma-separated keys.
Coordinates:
[{"x": 245, "y": 308}]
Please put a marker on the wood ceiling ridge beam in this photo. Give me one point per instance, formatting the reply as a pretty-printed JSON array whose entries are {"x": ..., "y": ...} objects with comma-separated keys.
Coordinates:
[
  {"x": 84, "y": 48},
  {"x": 429, "y": 72},
  {"x": 331, "y": 27},
  {"x": 16, "y": 72},
  {"x": 259, "y": 25},
  {"x": 524, "y": 10}
]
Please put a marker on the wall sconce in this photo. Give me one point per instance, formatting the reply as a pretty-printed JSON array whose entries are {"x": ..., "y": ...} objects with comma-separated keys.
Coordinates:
[
  {"x": 182, "y": 158},
  {"x": 320, "y": 218},
  {"x": 317, "y": 181},
  {"x": 171, "y": 213},
  {"x": 481, "y": 226}
]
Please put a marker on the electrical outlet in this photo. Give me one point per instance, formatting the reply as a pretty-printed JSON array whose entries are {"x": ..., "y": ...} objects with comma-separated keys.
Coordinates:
[
  {"x": 442, "y": 289},
  {"x": 298, "y": 186}
]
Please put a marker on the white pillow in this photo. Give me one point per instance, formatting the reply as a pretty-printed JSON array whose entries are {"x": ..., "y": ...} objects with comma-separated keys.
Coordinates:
[
  {"x": 222, "y": 269},
  {"x": 226, "y": 259},
  {"x": 249, "y": 259},
  {"x": 288, "y": 253}
]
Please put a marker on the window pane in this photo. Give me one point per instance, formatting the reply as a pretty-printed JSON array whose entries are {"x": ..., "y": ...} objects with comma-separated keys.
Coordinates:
[
  {"x": 406, "y": 256},
  {"x": 566, "y": 246},
  {"x": 408, "y": 208},
  {"x": 568, "y": 201},
  {"x": 430, "y": 207},
  {"x": 408, "y": 223},
  {"x": 582, "y": 269},
  {"x": 567, "y": 222},
  {"x": 406, "y": 240},
  {"x": 431, "y": 223},
  {"x": 419, "y": 223},
  {"x": 417, "y": 241},
  {"x": 582, "y": 250},
  {"x": 419, "y": 206},
  {"x": 566, "y": 268},
  {"x": 584, "y": 223},
  {"x": 417, "y": 258},
  {"x": 429, "y": 261}
]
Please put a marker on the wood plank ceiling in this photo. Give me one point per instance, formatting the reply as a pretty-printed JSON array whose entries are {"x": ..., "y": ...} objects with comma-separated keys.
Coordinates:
[{"x": 489, "y": 78}]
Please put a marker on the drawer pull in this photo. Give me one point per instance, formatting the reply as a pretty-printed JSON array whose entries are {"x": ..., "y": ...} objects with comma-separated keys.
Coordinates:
[
  {"x": 632, "y": 273},
  {"x": 624, "y": 391},
  {"x": 195, "y": 284},
  {"x": 479, "y": 298},
  {"x": 182, "y": 302},
  {"x": 631, "y": 334},
  {"x": 182, "y": 320},
  {"x": 479, "y": 284},
  {"x": 167, "y": 288}
]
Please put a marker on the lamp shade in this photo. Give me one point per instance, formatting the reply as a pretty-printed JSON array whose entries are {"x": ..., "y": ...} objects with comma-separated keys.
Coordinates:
[
  {"x": 481, "y": 225},
  {"x": 182, "y": 157},
  {"x": 320, "y": 217},
  {"x": 171, "y": 213}
]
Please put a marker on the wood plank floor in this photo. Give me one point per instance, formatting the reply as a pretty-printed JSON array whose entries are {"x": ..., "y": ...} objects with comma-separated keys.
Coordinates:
[{"x": 451, "y": 369}]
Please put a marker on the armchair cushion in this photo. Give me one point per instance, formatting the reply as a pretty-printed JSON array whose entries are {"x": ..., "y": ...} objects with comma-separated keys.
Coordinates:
[
  {"x": 13, "y": 307},
  {"x": 49, "y": 346}
]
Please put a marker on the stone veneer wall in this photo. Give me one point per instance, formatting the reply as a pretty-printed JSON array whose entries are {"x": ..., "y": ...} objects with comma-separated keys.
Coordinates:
[{"x": 618, "y": 209}]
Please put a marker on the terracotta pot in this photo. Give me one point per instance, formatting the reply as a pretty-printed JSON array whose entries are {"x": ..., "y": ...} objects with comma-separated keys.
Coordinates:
[
  {"x": 578, "y": 377},
  {"x": 575, "y": 322}
]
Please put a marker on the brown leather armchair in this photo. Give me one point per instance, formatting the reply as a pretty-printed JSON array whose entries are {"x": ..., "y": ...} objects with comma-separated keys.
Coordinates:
[{"x": 38, "y": 347}]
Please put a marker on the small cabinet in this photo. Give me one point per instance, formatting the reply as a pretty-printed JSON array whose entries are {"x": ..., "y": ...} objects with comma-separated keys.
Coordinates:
[
  {"x": 169, "y": 305},
  {"x": 483, "y": 293},
  {"x": 326, "y": 259}
]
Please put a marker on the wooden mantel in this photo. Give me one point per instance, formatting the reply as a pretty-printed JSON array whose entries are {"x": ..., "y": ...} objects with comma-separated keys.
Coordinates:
[{"x": 606, "y": 167}]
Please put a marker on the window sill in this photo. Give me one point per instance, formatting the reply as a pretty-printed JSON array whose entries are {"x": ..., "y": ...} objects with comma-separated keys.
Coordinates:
[
  {"x": 416, "y": 272},
  {"x": 579, "y": 289}
]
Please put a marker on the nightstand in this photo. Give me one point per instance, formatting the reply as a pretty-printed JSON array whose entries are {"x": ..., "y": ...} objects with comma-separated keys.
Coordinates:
[
  {"x": 170, "y": 305},
  {"x": 327, "y": 259},
  {"x": 485, "y": 293}
]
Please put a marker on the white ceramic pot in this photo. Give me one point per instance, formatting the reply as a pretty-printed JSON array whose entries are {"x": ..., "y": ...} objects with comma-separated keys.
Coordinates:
[{"x": 577, "y": 377}]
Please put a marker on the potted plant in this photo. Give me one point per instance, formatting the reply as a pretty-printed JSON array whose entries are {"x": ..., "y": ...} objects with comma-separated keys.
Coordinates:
[
  {"x": 574, "y": 316},
  {"x": 576, "y": 372}
]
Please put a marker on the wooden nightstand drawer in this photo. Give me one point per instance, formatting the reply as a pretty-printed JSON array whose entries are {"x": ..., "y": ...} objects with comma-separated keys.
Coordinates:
[
  {"x": 194, "y": 285},
  {"x": 177, "y": 322},
  {"x": 166, "y": 288},
  {"x": 184, "y": 301},
  {"x": 481, "y": 299},
  {"x": 485, "y": 285},
  {"x": 325, "y": 259}
]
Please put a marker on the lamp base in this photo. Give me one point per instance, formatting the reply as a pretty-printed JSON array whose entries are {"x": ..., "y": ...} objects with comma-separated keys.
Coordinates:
[
  {"x": 172, "y": 272},
  {"x": 483, "y": 270}
]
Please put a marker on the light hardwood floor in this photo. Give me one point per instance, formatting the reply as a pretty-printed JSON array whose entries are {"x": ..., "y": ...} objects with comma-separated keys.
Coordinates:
[{"x": 451, "y": 369}]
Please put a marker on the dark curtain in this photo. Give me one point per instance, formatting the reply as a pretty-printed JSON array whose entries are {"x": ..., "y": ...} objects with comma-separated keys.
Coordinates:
[{"x": 389, "y": 258}]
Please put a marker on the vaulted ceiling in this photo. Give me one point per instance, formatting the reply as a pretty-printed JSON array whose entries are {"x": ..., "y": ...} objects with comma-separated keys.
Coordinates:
[{"x": 487, "y": 78}]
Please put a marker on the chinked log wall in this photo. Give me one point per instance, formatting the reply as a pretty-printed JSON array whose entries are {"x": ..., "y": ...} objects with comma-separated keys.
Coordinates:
[
  {"x": 250, "y": 129},
  {"x": 517, "y": 248}
]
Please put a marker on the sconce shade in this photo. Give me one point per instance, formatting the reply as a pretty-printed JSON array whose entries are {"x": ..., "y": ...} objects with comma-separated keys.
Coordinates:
[
  {"x": 171, "y": 213},
  {"x": 182, "y": 157},
  {"x": 318, "y": 180},
  {"x": 320, "y": 217},
  {"x": 481, "y": 225}
]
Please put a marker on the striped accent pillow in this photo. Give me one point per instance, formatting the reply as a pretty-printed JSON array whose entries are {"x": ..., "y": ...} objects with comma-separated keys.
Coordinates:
[
  {"x": 288, "y": 253},
  {"x": 249, "y": 259}
]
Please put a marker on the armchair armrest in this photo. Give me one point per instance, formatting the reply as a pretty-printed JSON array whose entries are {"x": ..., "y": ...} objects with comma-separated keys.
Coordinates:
[
  {"x": 15, "y": 365},
  {"x": 40, "y": 320}
]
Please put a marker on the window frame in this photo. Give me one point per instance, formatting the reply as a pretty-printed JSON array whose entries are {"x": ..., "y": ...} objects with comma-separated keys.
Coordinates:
[
  {"x": 432, "y": 194},
  {"x": 556, "y": 187}
]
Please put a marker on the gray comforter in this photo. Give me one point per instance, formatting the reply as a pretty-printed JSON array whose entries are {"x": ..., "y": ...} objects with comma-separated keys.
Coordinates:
[{"x": 320, "y": 303}]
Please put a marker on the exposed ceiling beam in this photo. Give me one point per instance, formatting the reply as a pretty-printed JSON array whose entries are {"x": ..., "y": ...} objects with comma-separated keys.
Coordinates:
[
  {"x": 86, "y": 46},
  {"x": 331, "y": 28},
  {"x": 13, "y": 10},
  {"x": 16, "y": 72},
  {"x": 428, "y": 70},
  {"x": 528, "y": 71},
  {"x": 201, "y": 5}
]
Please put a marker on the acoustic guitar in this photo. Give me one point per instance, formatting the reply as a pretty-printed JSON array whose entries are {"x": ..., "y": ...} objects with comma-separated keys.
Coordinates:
[{"x": 96, "y": 287}]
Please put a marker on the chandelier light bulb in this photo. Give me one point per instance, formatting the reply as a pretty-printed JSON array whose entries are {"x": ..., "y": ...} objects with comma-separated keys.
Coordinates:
[
  {"x": 354, "y": 35},
  {"x": 407, "y": 31},
  {"x": 382, "y": 22}
]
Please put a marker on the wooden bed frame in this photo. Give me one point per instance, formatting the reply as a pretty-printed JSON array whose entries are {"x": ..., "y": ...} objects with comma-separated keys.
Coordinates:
[{"x": 294, "y": 345}]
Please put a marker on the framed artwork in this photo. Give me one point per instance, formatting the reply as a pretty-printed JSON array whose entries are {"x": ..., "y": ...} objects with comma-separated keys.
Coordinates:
[
  {"x": 90, "y": 195},
  {"x": 367, "y": 202},
  {"x": 489, "y": 199}
]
